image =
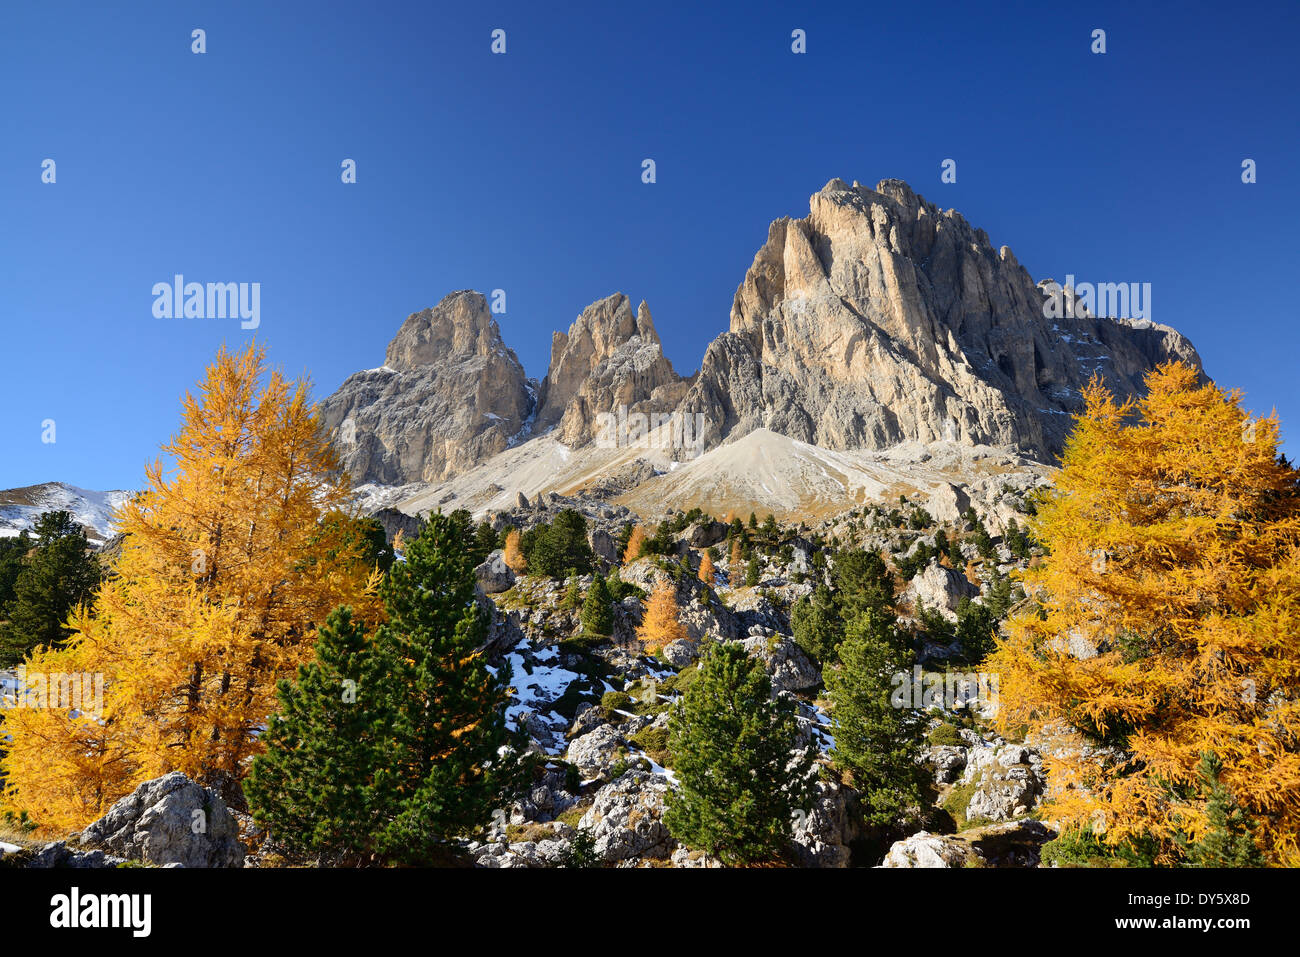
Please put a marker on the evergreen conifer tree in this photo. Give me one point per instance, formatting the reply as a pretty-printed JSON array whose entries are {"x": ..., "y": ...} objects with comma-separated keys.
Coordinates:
[
  {"x": 878, "y": 735},
  {"x": 313, "y": 788},
  {"x": 1229, "y": 841},
  {"x": 444, "y": 773},
  {"x": 597, "y": 612},
  {"x": 57, "y": 575},
  {"x": 733, "y": 749}
]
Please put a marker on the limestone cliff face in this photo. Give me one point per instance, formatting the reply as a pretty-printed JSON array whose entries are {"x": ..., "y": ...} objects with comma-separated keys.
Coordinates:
[
  {"x": 609, "y": 358},
  {"x": 449, "y": 395},
  {"x": 879, "y": 319}
]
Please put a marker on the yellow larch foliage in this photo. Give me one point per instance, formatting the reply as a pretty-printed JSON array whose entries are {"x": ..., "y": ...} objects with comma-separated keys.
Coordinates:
[
  {"x": 1173, "y": 537},
  {"x": 706, "y": 569},
  {"x": 660, "y": 625},
  {"x": 634, "y": 545},
  {"x": 230, "y": 561},
  {"x": 513, "y": 557}
]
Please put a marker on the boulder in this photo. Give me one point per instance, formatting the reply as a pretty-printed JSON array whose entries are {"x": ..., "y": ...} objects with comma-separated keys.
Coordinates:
[
  {"x": 823, "y": 833},
  {"x": 924, "y": 849},
  {"x": 594, "y": 752},
  {"x": 169, "y": 820},
  {"x": 947, "y": 761},
  {"x": 939, "y": 588},
  {"x": 494, "y": 575},
  {"x": 626, "y": 818},
  {"x": 60, "y": 855},
  {"x": 680, "y": 653},
  {"x": 787, "y": 664}
]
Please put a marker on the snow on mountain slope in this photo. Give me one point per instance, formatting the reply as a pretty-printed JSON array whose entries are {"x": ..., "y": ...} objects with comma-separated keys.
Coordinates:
[{"x": 20, "y": 507}]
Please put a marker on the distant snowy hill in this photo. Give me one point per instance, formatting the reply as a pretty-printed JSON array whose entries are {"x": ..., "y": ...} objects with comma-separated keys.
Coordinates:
[{"x": 20, "y": 507}]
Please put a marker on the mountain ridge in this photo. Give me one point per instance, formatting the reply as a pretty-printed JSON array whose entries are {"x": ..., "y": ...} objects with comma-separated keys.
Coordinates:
[{"x": 876, "y": 320}]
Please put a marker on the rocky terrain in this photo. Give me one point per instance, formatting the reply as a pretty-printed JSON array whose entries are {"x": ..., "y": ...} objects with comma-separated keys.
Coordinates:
[
  {"x": 596, "y": 711},
  {"x": 889, "y": 381}
]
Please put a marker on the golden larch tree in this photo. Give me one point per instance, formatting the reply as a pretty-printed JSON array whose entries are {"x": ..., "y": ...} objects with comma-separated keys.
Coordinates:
[
  {"x": 706, "y": 569},
  {"x": 513, "y": 557},
  {"x": 1168, "y": 610},
  {"x": 635, "y": 545},
  {"x": 230, "y": 561},
  {"x": 660, "y": 625}
]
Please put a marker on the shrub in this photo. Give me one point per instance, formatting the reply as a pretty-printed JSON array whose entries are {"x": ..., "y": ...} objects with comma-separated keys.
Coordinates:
[
  {"x": 612, "y": 701},
  {"x": 945, "y": 735}
]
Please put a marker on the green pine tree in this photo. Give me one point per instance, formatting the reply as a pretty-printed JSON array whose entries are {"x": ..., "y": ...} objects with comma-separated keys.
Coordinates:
[
  {"x": 816, "y": 624},
  {"x": 485, "y": 542},
  {"x": 444, "y": 773},
  {"x": 877, "y": 739},
  {"x": 313, "y": 787},
  {"x": 861, "y": 583},
  {"x": 977, "y": 630},
  {"x": 573, "y": 594},
  {"x": 733, "y": 749},
  {"x": 1229, "y": 842},
  {"x": 597, "y": 611},
  {"x": 13, "y": 550},
  {"x": 1001, "y": 596},
  {"x": 424, "y": 745},
  {"x": 58, "y": 573},
  {"x": 752, "y": 572},
  {"x": 553, "y": 549}
]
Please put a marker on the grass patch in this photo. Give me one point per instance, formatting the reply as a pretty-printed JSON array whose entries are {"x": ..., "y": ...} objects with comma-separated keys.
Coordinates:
[
  {"x": 958, "y": 800},
  {"x": 654, "y": 742}
]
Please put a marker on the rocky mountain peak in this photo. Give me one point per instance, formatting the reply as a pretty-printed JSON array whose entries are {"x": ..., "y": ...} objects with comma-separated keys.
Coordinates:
[
  {"x": 449, "y": 395},
  {"x": 610, "y": 357},
  {"x": 879, "y": 319},
  {"x": 459, "y": 326}
]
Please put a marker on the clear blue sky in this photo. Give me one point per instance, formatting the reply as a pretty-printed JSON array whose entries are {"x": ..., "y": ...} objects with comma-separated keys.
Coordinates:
[{"x": 522, "y": 172}]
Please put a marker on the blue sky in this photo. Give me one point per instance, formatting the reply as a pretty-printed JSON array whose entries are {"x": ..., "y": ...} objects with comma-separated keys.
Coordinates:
[{"x": 522, "y": 172}]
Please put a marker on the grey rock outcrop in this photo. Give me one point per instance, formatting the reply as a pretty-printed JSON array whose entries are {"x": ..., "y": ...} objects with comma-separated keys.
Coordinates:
[
  {"x": 924, "y": 849},
  {"x": 169, "y": 820},
  {"x": 880, "y": 319},
  {"x": 822, "y": 835},
  {"x": 595, "y": 751},
  {"x": 449, "y": 395},
  {"x": 939, "y": 588},
  {"x": 609, "y": 358},
  {"x": 788, "y": 666},
  {"x": 494, "y": 575},
  {"x": 626, "y": 818}
]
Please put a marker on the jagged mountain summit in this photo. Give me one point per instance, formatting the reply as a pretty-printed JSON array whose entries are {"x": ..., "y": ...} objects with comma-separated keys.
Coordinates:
[
  {"x": 608, "y": 358},
  {"x": 879, "y": 319},
  {"x": 449, "y": 395},
  {"x": 876, "y": 320}
]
